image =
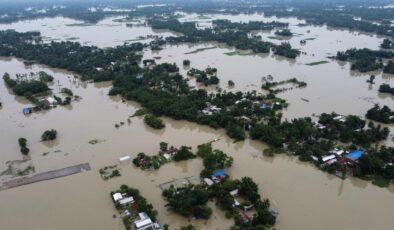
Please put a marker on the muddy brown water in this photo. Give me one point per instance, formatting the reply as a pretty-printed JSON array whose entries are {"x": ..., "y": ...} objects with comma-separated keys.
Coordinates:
[{"x": 305, "y": 197}]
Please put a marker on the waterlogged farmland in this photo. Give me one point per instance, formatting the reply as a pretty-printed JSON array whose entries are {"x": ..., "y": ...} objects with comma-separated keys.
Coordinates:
[{"x": 296, "y": 189}]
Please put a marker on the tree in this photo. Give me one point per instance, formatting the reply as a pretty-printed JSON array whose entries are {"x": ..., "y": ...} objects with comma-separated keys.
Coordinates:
[
  {"x": 163, "y": 146},
  {"x": 183, "y": 154},
  {"x": 49, "y": 135}
]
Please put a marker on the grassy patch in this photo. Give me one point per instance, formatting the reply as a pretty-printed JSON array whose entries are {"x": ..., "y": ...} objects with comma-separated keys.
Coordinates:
[
  {"x": 380, "y": 181},
  {"x": 309, "y": 39},
  {"x": 276, "y": 38},
  {"x": 140, "y": 112},
  {"x": 272, "y": 151},
  {"x": 240, "y": 53},
  {"x": 200, "y": 50},
  {"x": 317, "y": 63}
]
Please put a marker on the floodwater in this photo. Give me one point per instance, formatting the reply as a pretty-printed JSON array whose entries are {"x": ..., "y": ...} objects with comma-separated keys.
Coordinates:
[
  {"x": 108, "y": 32},
  {"x": 305, "y": 197}
]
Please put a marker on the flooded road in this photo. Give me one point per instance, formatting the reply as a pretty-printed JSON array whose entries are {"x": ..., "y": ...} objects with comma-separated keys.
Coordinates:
[{"x": 306, "y": 198}]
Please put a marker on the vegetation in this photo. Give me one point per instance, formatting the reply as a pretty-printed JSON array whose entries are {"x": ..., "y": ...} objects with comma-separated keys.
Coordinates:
[
  {"x": 379, "y": 164},
  {"x": 23, "y": 145},
  {"x": 385, "y": 88},
  {"x": 284, "y": 32},
  {"x": 67, "y": 91},
  {"x": 186, "y": 62},
  {"x": 223, "y": 31},
  {"x": 109, "y": 172},
  {"x": 189, "y": 201},
  {"x": 387, "y": 44},
  {"x": 207, "y": 77},
  {"x": 49, "y": 135},
  {"x": 25, "y": 87},
  {"x": 317, "y": 63},
  {"x": 183, "y": 153},
  {"x": 164, "y": 156},
  {"x": 365, "y": 60},
  {"x": 44, "y": 77},
  {"x": 153, "y": 121},
  {"x": 270, "y": 86},
  {"x": 384, "y": 114}
]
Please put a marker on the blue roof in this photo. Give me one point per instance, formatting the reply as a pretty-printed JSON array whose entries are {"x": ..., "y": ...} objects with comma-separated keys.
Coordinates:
[
  {"x": 218, "y": 173},
  {"x": 355, "y": 155},
  {"x": 26, "y": 110}
]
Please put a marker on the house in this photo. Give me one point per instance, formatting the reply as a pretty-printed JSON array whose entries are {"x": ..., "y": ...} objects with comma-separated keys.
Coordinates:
[
  {"x": 145, "y": 223},
  {"x": 340, "y": 118},
  {"x": 99, "y": 69},
  {"x": 139, "y": 77},
  {"x": 208, "y": 181},
  {"x": 337, "y": 152},
  {"x": 124, "y": 159},
  {"x": 117, "y": 196},
  {"x": 218, "y": 175},
  {"x": 210, "y": 109},
  {"x": 351, "y": 158},
  {"x": 126, "y": 200},
  {"x": 328, "y": 158}
]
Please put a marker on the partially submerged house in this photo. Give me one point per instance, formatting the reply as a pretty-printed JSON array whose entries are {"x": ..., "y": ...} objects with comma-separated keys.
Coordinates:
[
  {"x": 145, "y": 223},
  {"x": 351, "y": 159},
  {"x": 218, "y": 175}
]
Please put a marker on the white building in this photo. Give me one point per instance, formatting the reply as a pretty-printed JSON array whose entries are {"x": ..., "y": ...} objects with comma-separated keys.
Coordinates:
[{"x": 117, "y": 196}]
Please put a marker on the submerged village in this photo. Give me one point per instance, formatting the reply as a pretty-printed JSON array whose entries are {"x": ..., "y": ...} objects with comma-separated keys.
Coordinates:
[{"x": 188, "y": 115}]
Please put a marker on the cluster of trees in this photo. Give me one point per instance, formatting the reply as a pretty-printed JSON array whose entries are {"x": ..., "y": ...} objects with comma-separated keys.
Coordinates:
[
  {"x": 223, "y": 31},
  {"x": 269, "y": 85},
  {"x": 386, "y": 88},
  {"x": 89, "y": 61},
  {"x": 25, "y": 87},
  {"x": 387, "y": 44},
  {"x": 304, "y": 138},
  {"x": 183, "y": 153},
  {"x": 155, "y": 162},
  {"x": 23, "y": 145},
  {"x": 153, "y": 121},
  {"x": 189, "y": 201},
  {"x": 207, "y": 77},
  {"x": 141, "y": 203},
  {"x": 49, "y": 135},
  {"x": 224, "y": 24},
  {"x": 45, "y": 77},
  {"x": 284, "y": 32},
  {"x": 213, "y": 159},
  {"x": 384, "y": 114},
  {"x": 365, "y": 60},
  {"x": 378, "y": 162}
]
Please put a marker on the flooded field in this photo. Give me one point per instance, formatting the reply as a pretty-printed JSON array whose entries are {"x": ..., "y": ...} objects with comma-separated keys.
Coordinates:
[
  {"x": 109, "y": 32},
  {"x": 306, "y": 198}
]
